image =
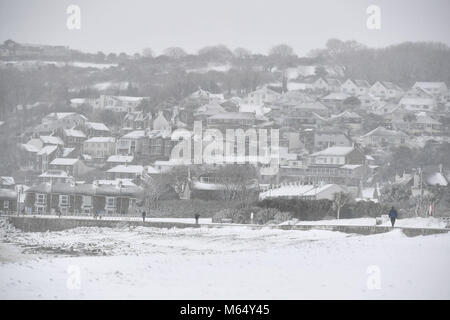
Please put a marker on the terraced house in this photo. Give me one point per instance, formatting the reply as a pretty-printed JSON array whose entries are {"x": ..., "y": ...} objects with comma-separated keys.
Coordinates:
[{"x": 82, "y": 199}]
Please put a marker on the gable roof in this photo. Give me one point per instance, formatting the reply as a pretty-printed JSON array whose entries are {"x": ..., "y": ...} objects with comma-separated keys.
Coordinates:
[
  {"x": 51, "y": 140},
  {"x": 47, "y": 150},
  {"x": 127, "y": 169},
  {"x": 64, "y": 161},
  {"x": 334, "y": 151},
  {"x": 382, "y": 131},
  {"x": 233, "y": 116},
  {"x": 74, "y": 133},
  {"x": 98, "y": 126}
]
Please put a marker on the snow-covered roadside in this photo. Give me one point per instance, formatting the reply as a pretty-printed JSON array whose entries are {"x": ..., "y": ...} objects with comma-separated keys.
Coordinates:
[
  {"x": 419, "y": 222},
  {"x": 130, "y": 218},
  {"x": 229, "y": 263}
]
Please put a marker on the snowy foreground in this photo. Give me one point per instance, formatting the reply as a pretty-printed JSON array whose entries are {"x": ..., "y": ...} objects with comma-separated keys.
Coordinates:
[{"x": 221, "y": 263}]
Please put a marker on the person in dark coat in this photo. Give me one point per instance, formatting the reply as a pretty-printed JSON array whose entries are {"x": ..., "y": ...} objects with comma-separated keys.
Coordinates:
[
  {"x": 143, "y": 216},
  {"x": 197, "y": 216},
  {"x": 393, "y": 215}
]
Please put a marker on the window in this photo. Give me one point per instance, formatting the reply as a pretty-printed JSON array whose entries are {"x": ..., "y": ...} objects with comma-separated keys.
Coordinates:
[
  {"x": 110, "y": 202},
  {"x": 63, "y": 200},
  {"x": 40, "y": 198},
  {"x": 87, "y": 201},
  {"x": 6, "y": 204}
]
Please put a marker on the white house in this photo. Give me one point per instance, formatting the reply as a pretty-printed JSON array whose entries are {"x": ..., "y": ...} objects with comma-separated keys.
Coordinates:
[
  {"x": 321, "y": 84},
  {"x": 131, "y": 143},
  {"x": 60, "y": 120},
  {"x": 417, "y": 99},
  {"x": 386, "y": 90},
  {"x": 100, "y": 147},
  {"x": 305, "y": 191},
  {"x": 355, "y": 87},
  {"x": 263, "y": 95},
  {"x": 382, "y": 137},
  {"x": 125, "y": 172},
  {"x": 119, "y": 103},
  {"x": 438, "y": 90}
]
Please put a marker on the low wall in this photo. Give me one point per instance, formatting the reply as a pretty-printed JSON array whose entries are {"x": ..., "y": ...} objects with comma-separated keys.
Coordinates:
[{"x": 43, "y": 224}]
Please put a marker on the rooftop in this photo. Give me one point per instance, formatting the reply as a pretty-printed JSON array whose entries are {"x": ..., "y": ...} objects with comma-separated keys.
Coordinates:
[
  {"x": 64, "y": 161},
  {"x": 334, "y": 151}
]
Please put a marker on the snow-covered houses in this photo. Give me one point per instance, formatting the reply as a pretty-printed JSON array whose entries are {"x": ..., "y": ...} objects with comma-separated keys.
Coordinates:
[{"x": 82, "y": 199}]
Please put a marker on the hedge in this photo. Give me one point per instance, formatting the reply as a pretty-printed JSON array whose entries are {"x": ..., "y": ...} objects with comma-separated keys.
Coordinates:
[
  {"x": 320, "y": 209},
  {"x": 186, "y": 208}
]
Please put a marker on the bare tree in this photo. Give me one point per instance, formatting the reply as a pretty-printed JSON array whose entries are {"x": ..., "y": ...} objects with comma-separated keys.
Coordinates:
[
  {"x": 175, "y": 52},
  {"x": 242, "y": 53},
  {"x": 340, "y": 199},
  {"x": 238, "y": 182},
  {"x": 281, "y": 50},
  {"x": 147, "y": 53},
  {"x": 154, "y": 187}
]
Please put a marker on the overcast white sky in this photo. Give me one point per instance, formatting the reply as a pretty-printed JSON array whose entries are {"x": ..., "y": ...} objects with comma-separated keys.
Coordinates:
[{"x": 131, "y": 25}]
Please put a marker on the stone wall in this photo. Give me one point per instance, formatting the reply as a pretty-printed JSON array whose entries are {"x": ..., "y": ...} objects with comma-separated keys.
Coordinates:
[{"x": 43, "y": 224}]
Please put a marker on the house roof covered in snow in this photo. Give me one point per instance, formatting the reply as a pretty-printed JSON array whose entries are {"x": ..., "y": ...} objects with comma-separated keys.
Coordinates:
[
  {"x": 74, "y": 133},
  {"x": 100, "y": 140},
  {"x": 382, "y": 131},
  {"x": 7, "y": 181},
  {"x": 64, "y": 161},
  {"x": 54, "y": 174},
  {"x": 137, "y": 134},
  {"x": 86, "y": 189},
  {"x": 29, "y": 148},
  {"x": 436, "y": 178},
  {"x": 51, "y": 140},
  {"x": 233, "y": 116},
  {"x": 120, "y": 159},
  {"x": 98, "y": 126},
  {"x": 338, "y": 96},
  {"x": 334, "y": 151},
  {"x": 47, "y": 150},
  {"x": 137, "y": 169}
]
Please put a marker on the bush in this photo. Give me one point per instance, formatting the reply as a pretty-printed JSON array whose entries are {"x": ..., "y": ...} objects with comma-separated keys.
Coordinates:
[
  {"x": 282, "y": 217},
  {"x": 299, "y": 208},
  {"x": 302, "y": 209},
  {"x": 265, "y": 215},
  {"x": 224, "y": 214},
  {"x": 186, "y": 208}
]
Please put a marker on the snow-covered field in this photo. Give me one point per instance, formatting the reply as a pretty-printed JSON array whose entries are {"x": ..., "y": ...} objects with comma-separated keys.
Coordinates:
[
  {"x": 221, "y": 263},
  {"x": 77, "y": 64}
]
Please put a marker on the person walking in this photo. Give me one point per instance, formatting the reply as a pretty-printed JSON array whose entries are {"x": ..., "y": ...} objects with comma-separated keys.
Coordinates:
[
  {"x": 393, "y": 215},
  {"x": 197, "y": 216},
  {"x": 143, "y": 216}
]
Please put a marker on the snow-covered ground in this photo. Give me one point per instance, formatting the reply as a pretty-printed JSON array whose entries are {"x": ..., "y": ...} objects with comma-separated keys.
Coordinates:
[
  {"x": 133, "y": 218},
  {"x": 221, "y": 263}
]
